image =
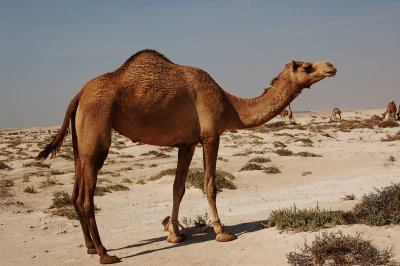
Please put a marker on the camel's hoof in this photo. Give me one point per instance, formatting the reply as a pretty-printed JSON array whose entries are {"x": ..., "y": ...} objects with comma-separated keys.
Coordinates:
[
  {"x": 91, "y": 251},
  {"x": 107, "y": 259},
  {"x": 176, "y": 238},
  {"x": 225, "y": 237}
]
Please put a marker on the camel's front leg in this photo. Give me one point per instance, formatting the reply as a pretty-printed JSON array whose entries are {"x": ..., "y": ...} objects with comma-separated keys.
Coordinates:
[
  {"x": 185, "y": 154},
  {"x": 210, "y": 152}
]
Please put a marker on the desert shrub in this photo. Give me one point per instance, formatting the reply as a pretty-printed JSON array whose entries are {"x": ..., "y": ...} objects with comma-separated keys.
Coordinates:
[
  {"x": 294, "y": 219},
  {"x": 244, "y": 153},
  {"x": 380, "y": 208},
  {"x": 48, "y": 182},
  {"x": 260, "y": 159},
  {"x": 140, "y": 182},
  {"x": 36, "y": 164},
  {"x": 117, "y": 187},
  {"x": 126, "y": 180},
  {"x": 101, "y": 191},
  {"x": 223, "y": 179},
  {"x": 339, "y": 249},
  {"x": 284, "y": 152},
  {"x": 306, "y": 142},
  {"x": 157, "y": 154},
  {"x": 307, "y": 154},
  {"x": 4, "y": 166},
  {"x": 5, "y": 188},
  {"x": 252, "y": 166},
  {"x": 271, "y": 170},
  {"x": 349, "y": 197},
  {"x": 200, "y": 221},
  {"x": 278, "y": 144},
  {"x": 61, "y": 206},
  {"x": 30, "y": 189},
  {"x": 57, "y": 172},
  {"x": 306, "y": 173},
  {"x": 170, "y": 171}
]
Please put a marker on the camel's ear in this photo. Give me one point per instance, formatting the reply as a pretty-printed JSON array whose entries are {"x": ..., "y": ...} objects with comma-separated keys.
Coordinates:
[{"x": 295, "y": 65}]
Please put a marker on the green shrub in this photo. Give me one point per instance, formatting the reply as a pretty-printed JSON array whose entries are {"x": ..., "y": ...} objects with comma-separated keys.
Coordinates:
[
  {"x": 294, "y": 219},
  {"x": 380, "y": 208}
]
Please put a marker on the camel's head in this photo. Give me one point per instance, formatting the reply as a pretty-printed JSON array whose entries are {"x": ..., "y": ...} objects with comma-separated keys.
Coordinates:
[{"x": 305, "y": 74}]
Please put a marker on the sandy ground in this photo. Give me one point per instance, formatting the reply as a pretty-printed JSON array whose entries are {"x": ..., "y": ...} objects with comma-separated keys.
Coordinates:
[{"x": 354, "y": 162}]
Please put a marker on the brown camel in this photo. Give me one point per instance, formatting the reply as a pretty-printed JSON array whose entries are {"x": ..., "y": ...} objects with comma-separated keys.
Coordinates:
[
  {"x": 287, "y": 113},
  {"x": 336, "y": 112},
  {"x": 398, "y": 113},
  {"x": 390, "y": 111},
  {"x": 151, "y": 100}
]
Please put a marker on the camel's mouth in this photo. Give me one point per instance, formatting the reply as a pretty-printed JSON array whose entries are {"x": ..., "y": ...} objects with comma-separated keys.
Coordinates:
[{"x": 330, "y": 73}]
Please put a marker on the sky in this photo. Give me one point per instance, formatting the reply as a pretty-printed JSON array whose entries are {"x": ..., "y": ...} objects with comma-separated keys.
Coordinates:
[{"x": 50, "y": 49}]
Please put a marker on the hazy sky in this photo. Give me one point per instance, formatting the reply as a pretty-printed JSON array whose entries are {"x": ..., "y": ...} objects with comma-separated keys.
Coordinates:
[{"x": 50, "y": 49}]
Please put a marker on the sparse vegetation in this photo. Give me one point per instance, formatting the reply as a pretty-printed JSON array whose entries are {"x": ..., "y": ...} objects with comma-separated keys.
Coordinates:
[
  {"x": 61, "y": 206},
  {"x": 294, "y": 219},
  {"x": 36, "y": 164},
  {"x": 339, "y": 249},
  {"x": 126, "y": 180},
  {"x": 260, "y": 159},
  {"x": 379, "y": 208},
  {"x": 48, "y": 182},
  {"x": 5, "y": 188},
  {"x": 163, "y": 173},
  {"x": 252, "y": 166},
  {"x": 272, "y": 170},
  {"x": 117, "y": 187},
  {"x": 278, "y": 144},
  {"x": 349, "y": 197},
  {"x": 157, "y": 154},
  {"x": 223, "y": 179},
  {"x": 306, "y": 154},
  {"x": 284, "y": 152},
  {"x": 305, "y": 173},
  {"x": 4, "y": 166},
  {"x": 30, "y": 189}
]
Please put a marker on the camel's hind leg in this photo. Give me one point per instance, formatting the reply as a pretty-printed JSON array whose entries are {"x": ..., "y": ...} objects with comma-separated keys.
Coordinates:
[
  {"x": 185, "y": 155},
  {"x": 210, "y": 152},
  {"x": 94, "y": 140}
]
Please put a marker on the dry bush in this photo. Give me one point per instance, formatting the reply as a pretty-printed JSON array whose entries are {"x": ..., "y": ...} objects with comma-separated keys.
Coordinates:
[
  {"x": 380, "y": 208},
  {"x": 223, "y": 179},
  {"x": 4, "y": 166},
  {"x": 5, "y": 188},
  {"x": 284, "y": 152},
  {"x": 260, "y": 159},
  {"x": 62, "y": 207},
  {"x": 36, "y": 164},
  {"x": 251, "y": 167},
  {"x": 339, "y": 249},
  {"x": 118, "y": 187},
  {"x": 49, "y": 182},
  {"x": 307, "y": 154},
  {"x": 126, "y": 180},
  {"x": 30, "y": 189},
  {"x": 279, "y": 144},
  {"x": 305, "y": 173},
  {"x": 306, "y": 142},
  {"x": 170, "y": 171},
  {"x": 156, "y": 154},
  {"x": 272, "y": 170},
  {"x": 294, "y": 219}
]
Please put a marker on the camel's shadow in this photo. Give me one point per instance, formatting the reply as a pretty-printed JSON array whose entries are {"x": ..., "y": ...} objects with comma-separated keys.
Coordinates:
[{"x": 193, "y": 238}]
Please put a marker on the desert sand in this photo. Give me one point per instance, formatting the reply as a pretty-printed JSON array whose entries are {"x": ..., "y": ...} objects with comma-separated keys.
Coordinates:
[{"x": 355, "y": 162}]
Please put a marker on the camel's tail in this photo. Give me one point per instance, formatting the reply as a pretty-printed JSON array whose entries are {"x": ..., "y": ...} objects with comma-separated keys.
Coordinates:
[{"x": 54, "y": 146}]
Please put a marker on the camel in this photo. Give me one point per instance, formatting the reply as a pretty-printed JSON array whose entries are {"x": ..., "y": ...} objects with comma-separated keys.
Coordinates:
[
  {"x": 398, "y": 113},
  {"x": 151, "y": 100},
  {"x": 287, "y": 113},
  {"x": 390, "y": 111},
  {"x": 336, "y": 111}
]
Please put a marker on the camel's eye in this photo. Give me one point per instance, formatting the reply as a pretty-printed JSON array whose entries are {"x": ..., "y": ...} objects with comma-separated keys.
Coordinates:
[{"x": 308, "y": 68}]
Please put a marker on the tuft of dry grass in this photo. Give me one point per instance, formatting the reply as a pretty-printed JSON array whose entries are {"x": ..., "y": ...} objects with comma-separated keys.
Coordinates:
[
  {"x": 271, "y": 170},
  {"x": 163, "y": 173},
  {"x": 4, "y": 166},
  {"x": 284, "y": 152},
  {"x": 126, "y": 180},
  {"x": 5, "y": 188},
  {"x": 49, "y": 182},
  {"x": 30, "y": 189},
  {"x": 260, "y": 159},
  {"x": 336, "y": 248},
  {"x": 156, "y": 154},
  {"x": 251, "y": 167},
  {"x": 36, "y": 164}
]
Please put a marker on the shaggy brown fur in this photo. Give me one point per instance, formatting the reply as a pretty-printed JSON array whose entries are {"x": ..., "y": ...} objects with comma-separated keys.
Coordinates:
[
  {"x": 336, "y": 112},
  {"x": 151, "y": 100},
  {"x": 390, "y": 111}
]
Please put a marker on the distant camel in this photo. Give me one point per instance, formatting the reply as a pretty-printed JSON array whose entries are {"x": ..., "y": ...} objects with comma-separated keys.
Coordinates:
[
  {"x": 336, "y": 112},
  {"x": 151, "y": 100},
  {"x": 287, "y": 113},
  {"x": 398, "y": 113},
  {"x": 390, "y": 111}
]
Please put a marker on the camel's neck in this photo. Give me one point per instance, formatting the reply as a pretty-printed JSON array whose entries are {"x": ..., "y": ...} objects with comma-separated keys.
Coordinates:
[{"x": 246, "y": 113}]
